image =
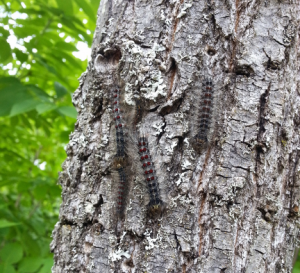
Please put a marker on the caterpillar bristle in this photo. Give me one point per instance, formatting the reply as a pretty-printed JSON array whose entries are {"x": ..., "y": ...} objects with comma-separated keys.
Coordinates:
[
  {"x": 121, "y": 160},
  {"x": 204, "y": 115},
  {"x": 155, "y": 203}
]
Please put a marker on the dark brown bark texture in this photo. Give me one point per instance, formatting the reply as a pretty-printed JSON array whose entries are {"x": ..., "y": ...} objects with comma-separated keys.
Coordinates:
[{"x": 230, "y": 203}]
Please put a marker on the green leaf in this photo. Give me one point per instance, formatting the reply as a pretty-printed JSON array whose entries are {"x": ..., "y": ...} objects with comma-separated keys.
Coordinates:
[
  {"x": 11, "y": 92},
  {"x": 40, "y": 192},
  {"x": 66, "y": 6},
  {"x": 30, "y": 245},
  {"x": 5, "y": 51},
  {"x": 55, "y": 191},
  {"x": 48, "y": 263},
  {"x": 4, "y": 32},
  {"x": 7, "y": 268},
  {"x": 60, "y": 90},
  {"x": 4, "y": 223},
  {"x": 30, "y": 264},
  {"x": 38, "y": 92},
  {"x": 11, "y": 253},
  {"x": 8, "y": 81},
  {"x": 24, "y": 106},
  {"x": 66, "y": 46},
  {"x": 45, "y": 107},
  {"x": 22, "y": 57},
  {"x": 88, "y": 10},
  {"x": 68, "y": 111}
]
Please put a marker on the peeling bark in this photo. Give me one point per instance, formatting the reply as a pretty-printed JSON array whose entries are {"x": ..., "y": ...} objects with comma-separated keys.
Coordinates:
[{"x": 231, "y": 205}]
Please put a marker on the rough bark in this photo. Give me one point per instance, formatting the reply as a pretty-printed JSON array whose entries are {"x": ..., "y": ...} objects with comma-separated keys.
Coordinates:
[{"x": 231, "y": 206}]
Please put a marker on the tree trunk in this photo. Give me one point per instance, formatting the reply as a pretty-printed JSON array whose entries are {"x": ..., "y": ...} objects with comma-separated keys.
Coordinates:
[{"x": 213, "y": 88}]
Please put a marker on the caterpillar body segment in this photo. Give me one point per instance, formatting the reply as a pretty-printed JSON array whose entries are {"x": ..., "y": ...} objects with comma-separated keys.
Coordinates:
[
  {"x": 155, "y": 203},
  {"x": 121, "y": 160},
  {"x": 205, "y": 112},
  {"x": 119, "y": 124},
  {"x": 121, "y": 189}
]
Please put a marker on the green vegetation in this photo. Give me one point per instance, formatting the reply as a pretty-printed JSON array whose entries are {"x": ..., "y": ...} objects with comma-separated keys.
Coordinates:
[
  {"x": 296, "y": 268},
  {"x": 38, "y": 75}
]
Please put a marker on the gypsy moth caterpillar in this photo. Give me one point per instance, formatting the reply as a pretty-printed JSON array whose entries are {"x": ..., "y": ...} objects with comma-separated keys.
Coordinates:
[
  {"x": 155, "y": 203},
  {"x": 120, "y": 157},
  {"x": 205, "y": 112},
  {"x": 204, "y": 115}
]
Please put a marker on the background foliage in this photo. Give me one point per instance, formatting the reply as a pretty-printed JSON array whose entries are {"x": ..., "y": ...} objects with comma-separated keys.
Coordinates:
[{"x": 38, "y": 74}]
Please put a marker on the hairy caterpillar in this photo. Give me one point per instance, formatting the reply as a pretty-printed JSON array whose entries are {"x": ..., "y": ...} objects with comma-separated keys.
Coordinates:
[
  {"x": 149, "y": 173},
  {"x": 205, "y": 113},
  {"x": 120, "y": 155}
]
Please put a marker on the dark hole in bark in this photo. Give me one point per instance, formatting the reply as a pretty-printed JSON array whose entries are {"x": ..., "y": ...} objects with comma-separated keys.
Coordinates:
[
  {"x": 129, "y": 263},
  {"x": 211, "y": 51},
  {"x": 180, "y": 143},
  {"x": 284, "y": 136},
  {"x": 98, "y": 107},
  {"x": 280, "y": 166},
  {"x": 68, "y": 182},
  {"x": 229, "y": 204},
  {"x": 172, "y": 72},
  {"x": 97, "y": 228},
  {"x": 244, "y": 70},
  {"x": 65, "y": 221},
  {"x": 296, "y": 120},
  {"x": 293, "y": 213},
  {"x": 259, "y": 151},
  {"x": 85, "y": 157},
  {"x": 113, "y": 55},
  {"x": 266, "y": 215},
  {"x": 223, "y": 270},
  {"x": 154, "y": 109},
  {"x": 177, "y": 241},
  {"x": 273, "y": 65},
  {"x": 88, "y": 223},
  {"x": 173, "y": 66},
  {"x": 263, "y": 105},
  {"x": 78, "y": 177},
  {"x": 167, "y": 109},
  {"x": 139, "y": 111},
  {"x": 163, "y": 131},
  {"x": 213, "y": 19},
  {"x": 100, "y": 202},
  {"x": 277, "y": 267}
]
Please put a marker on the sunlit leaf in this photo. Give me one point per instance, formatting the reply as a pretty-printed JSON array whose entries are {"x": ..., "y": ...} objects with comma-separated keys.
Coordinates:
[
  {"x": 30, "y": 264},
  {"x": 5, "y": 223},
  {"x": 88, "y": 10},
  {"x": 11, "y": 253},
  {"x": 7, "y": 268},
  {"x": 45, "y": 107},
  {"x": 22, "y": 57},
  {"x": 65, "y": 5},
  {"x": 65, "y": 46},
  {"x": 30, "y": 245},
  {"x": 24, "y": 106},
  {"x": 60, "y": 90},
  {"x": 11, "y": 93},
  {"x": 68, "y": 111},
  {"x": 5, "y": 51},
  {"x": 4, "y": 33},
  {"x": 47, "y": 264}
]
